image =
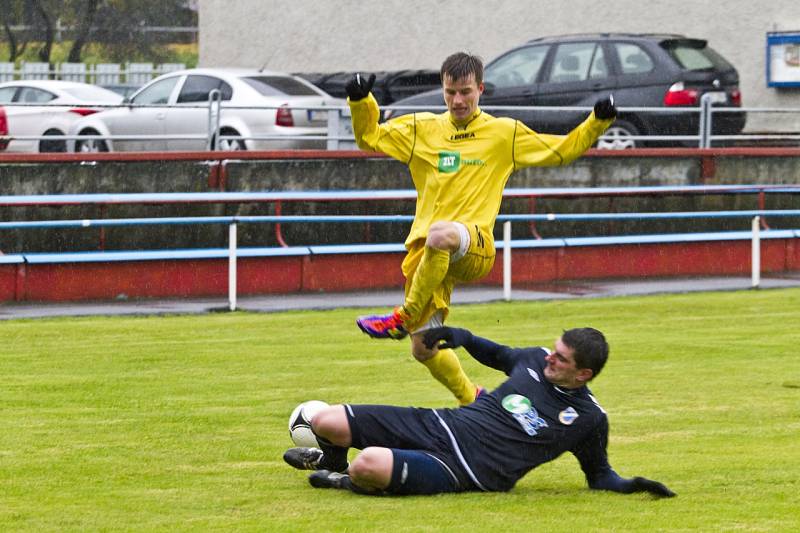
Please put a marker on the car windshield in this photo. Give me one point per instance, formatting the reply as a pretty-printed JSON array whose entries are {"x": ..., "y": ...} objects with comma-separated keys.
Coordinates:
[
  {"x": 279, "y": 86},
  {"x": 694, "y": 55},
  {"x": 93, "y": 94}
]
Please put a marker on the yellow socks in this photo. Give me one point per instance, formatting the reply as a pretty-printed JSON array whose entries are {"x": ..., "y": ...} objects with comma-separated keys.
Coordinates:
[
  {"x": 430, "y": 274},
  {"x": 446, "y": 368}
]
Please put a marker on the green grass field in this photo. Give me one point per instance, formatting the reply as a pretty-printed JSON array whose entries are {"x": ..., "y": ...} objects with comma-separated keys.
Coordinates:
[{"x": 179, "y": 423}]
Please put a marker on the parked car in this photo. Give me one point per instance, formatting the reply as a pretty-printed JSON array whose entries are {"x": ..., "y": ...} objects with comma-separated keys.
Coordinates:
[
  {"x": 62, "y": 103},
  {"x": 3, "y": 128},
  {"x": 254, "y": 103},
  {"x": 389, "y": 86},
  {"x": 641, "y": 70}
]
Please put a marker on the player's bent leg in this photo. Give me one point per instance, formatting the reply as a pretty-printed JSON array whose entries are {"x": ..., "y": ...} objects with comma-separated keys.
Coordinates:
[
  {"x": 446, "y": 368},
  {"x": 332, "y": 430},
  {"x": 372, "y": 469},
  {"x": 444, "y": 239},
  {"x": 331, "y": 424},
  {"x": 419, "y": 472}
]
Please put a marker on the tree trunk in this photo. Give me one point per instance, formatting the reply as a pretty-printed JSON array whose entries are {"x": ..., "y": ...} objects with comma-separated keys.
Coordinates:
[
  {"x": 83, "y": 31},
  {"x": 44, "y": 51}
]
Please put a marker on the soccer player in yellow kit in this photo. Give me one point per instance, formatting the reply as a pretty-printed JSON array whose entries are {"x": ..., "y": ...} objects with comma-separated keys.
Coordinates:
[{"x": 460, "y": 162}]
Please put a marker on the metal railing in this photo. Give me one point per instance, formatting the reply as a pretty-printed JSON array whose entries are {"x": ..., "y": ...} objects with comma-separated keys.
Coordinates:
[
  {"x": 99, "y": 73},
  {"x": 337, "y": 134},
  {"x": 279, "y": 199},
  {"x": 506, "y": 244}
]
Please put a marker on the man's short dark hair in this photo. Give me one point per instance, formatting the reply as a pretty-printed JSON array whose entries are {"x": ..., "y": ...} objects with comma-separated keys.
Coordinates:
[
  {"x": 460, "y": 65},
  {"x": 591, "y": 348}
]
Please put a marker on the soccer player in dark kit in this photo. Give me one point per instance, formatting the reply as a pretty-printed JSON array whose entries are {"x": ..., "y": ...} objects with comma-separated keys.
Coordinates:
[{"x": 542, "y": 410}]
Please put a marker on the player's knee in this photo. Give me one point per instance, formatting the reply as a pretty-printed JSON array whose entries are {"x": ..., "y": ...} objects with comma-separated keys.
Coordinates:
[
  {"x": 372, "y": 468},
  {"x": 419, "y": 350},
  {"x": 331, "y": 424},
  {"x": 443, "y": 236}
]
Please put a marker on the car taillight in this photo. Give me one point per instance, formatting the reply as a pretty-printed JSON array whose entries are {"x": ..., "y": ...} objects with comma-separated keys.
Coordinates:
[
  {"x": 678, "y": 94},
  {"x": 83, "y": 111},
  {"x": 3, "y": 128},
  {"x": 736, "y": 98},
  {"x": 284, "y": 116}
]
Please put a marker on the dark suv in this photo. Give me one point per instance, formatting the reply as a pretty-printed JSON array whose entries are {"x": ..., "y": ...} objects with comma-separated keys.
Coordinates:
[{"x": 641, "y": 70}]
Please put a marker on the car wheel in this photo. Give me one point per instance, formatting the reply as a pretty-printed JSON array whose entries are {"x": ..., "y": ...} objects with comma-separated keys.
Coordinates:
[
  {"x": 50, "y": 146},
  {"x": 90, "y": 146},
  {"x": 231, "y": 145},
  {"x": 619, "y": 136}
]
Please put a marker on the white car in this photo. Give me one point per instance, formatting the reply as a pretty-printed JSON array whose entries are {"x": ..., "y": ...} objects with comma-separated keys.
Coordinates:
[
  {"x": 62, "y": 104},
  {"x": 172, "y": 113}
]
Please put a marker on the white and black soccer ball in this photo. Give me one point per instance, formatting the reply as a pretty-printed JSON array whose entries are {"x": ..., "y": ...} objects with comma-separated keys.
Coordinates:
[{"x": 300, "y": 423}]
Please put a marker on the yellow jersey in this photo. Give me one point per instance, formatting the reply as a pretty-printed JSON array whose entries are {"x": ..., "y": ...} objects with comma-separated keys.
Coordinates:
[{"x": 459, "y": 172}]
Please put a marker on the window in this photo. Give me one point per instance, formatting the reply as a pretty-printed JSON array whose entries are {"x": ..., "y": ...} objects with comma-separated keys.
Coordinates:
[
  {"x": 157, "y": 93},
  {"x": 279, "y": 86},
  {"x": 520, "y": 67},
  {"x": 93, "y": 94},
  {"x": 7, "y": 94},
  {"x": 694, "y": 57},
  {"x": 197, "y": 88},
  {"x": 30, "y": 95},
  {"x": 578, "y": 62},
  {"x": 633, "y": 59}
]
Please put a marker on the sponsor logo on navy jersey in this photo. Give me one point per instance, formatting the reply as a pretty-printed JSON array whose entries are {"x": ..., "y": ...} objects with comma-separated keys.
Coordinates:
[
  {"x": 524, "y": 413},
  {"x": 567, "y": 416}
]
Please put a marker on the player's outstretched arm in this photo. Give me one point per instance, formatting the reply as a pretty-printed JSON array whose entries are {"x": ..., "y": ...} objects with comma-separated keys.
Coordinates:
[
  {"x": 483, "y": 350},
  {"x": 593, "y": 459}
]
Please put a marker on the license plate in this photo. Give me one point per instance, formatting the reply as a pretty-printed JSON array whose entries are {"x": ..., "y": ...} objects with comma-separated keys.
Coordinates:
[
  {"x": 315, "y": 115},
  {"x": 717, "y": 97}
]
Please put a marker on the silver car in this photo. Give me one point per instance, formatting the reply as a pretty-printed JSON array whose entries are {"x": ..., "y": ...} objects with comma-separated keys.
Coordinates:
[
  {"x": 48, "y": 108},
  {"x": 266, "y": 110}
]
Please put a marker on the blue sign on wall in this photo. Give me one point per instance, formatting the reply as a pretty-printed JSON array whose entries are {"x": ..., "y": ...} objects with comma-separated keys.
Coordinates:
[{"x": 783, "y": 59}]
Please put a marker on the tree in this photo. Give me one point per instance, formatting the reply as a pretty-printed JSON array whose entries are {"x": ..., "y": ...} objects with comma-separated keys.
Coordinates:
[
  {"x": 10, "y": 15},
  {"x": 47, "y": 47},
  {"x": 85, "y": 26}
]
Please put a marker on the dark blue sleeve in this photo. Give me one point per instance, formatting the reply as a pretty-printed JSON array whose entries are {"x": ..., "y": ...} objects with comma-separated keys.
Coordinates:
[
  {"x": 592, "y": 455},
  {"x": 490, "y": 353}
]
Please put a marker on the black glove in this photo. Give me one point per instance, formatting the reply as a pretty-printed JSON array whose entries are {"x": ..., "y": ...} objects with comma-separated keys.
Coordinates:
[
  {"x": 358, "y": 88},
  {"x": 604, "y": 108},
  {"x": 452, "y": 337},
  {"x": 655, "y": 488}
]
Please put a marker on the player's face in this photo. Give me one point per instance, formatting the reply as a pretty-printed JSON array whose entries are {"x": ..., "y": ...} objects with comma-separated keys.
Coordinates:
[
  {"x": 561, "y": 369},
  {"x": 461, "y": 97}
]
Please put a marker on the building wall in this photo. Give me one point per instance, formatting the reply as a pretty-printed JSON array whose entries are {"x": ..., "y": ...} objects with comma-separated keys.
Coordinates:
[{"x": 328, "y": 36}]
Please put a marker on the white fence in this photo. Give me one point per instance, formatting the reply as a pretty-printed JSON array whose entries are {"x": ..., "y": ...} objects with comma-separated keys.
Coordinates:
[{"x": 100, "y": 73}]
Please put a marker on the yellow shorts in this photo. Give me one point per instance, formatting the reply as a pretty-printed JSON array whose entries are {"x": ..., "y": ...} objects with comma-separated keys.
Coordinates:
[{"x": 476, "y": 263}]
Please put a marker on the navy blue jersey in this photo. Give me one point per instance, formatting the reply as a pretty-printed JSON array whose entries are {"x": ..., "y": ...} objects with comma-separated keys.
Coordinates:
[{"x": 527, "y": 421}]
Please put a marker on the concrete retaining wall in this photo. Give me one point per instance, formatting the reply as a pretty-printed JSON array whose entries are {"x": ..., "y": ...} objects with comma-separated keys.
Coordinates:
[{"x": 121, "y": 173}]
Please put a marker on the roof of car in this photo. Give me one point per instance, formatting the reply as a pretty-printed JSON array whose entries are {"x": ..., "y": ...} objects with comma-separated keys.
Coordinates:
[
  {"x": 610, "y": 35},
  {"x": 231, "y": 72},
  {"x": 44, "y": 83}
]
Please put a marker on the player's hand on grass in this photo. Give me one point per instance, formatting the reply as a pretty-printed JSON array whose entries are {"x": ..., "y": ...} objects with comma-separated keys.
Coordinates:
[
  {"x": 604, "y": 108},
  {"x": 445, "y": 337},
  {"x": 655, "y": 488},
  {"x": 358, "y": 87}
]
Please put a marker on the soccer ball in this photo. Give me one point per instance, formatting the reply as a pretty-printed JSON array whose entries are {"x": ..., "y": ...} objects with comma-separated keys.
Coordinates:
[{"x": 300, "y": 423}]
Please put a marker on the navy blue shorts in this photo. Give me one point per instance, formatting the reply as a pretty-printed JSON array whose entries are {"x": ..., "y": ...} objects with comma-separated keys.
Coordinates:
[{"x": 424, "y": 461}]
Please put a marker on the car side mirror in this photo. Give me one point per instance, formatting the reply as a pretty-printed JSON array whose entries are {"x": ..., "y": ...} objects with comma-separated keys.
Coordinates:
[
  {"x": 127, "y": 101},
  {"x": 488, "y": 88}
]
